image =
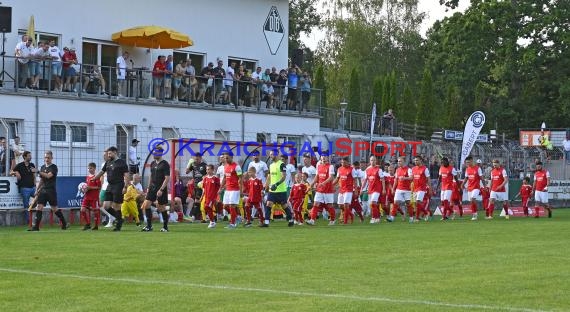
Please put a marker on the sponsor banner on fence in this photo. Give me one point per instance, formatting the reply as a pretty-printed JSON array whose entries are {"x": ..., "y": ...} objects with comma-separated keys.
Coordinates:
[
  {"x": 559, "y": 189},
  {"x": 68, "y": 195},
  {"x": 10, "y": 197},
  {"x": 531, "y": 138},
  {"x": 458, "y": 136}
]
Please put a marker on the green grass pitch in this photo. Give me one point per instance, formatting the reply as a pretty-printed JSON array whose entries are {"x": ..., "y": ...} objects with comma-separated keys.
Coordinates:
[{"x": 496, "y": 265}]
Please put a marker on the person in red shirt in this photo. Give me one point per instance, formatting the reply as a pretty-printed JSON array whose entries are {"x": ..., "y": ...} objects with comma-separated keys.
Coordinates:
[
  {"x": 456, "y": 197},
  {"x": 324, "y": 196},
  {"x": 376, "y": 189},
  {"x": 427, "y": 199},
  {"x": 446, "y": 175},
  {"x": 540, "y": 190},
  {"x": 499, "y": 181},
  {"x": 473, "y": 179},
  {"x": 421, "y": 178},
  {"x": 485, "y": 195},
  {"x": 91, "y": 199},
  {"x": 211, "y": 187},
  {"x": 389, "y": 176},
  {"x": 347, "y": 178},
  {"x": 253, "y": 187},
  {"x": 158, "y": 73},
  {"x": 233, "y": 186},
  {"x": 524, "y": 193},
  {"x": 297, "y": 197},
  {"x": 356, "y": 205},
  {"x": 402, "y": 189},
  {"x": 69, "y": 59}
]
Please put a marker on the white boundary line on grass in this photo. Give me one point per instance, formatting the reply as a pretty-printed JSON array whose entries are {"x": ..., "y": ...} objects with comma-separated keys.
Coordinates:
[{"x": 274, "y": 291}]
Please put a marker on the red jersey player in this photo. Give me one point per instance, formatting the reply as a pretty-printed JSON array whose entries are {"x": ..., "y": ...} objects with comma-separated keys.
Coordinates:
[
  {"x": 421, "y": 178},
  {"x": 324, "y": 197},
  {"x": 91, "y": 199},
  {"x": 232, "y": 184},
  {"x": 524, "y": 193},
  {"x": 389, "y": 176},
  {"x": 540, "y": 190},
  {"x": 402, "y": 189},
  {"x": 253, "y": 187},
  {"x": 456, "y": 197},
  {"x": 473, "y": 178},
  {"x": 499, "y": 180},
  {"x": 356, "y": 205},
  {"x": 485, "y": 195},
  {"x": 446, "y": 176},
  {"x": 211, "y": 187},
  {"x": 297, "y": 197},
  {"x": 374, "y": 178},
  {"x": 346, "y": 177}
]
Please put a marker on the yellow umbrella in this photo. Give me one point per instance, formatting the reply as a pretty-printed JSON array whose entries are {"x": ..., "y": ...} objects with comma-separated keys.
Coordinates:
[
  {"x": 153, "y": 37},
  {"x": 32, "y": 30}
]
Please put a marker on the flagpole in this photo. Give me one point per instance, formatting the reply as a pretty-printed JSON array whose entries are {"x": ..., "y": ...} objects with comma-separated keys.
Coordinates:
[{"x": 372, "y": 121}]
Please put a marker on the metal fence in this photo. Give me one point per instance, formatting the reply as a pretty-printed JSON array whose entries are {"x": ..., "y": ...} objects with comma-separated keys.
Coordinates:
[{"x": 141, "y": 84}]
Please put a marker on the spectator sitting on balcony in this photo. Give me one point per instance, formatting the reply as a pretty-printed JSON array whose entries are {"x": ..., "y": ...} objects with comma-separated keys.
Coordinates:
[
  {"x": 94, "y": 76},
  {"x": 305, "y": 90},
  {"x": 387, "y": 121},
  {"x": 158, "y": 71},
  {"x": 268, "y": 93},
  {"x": 206, "y": 76}
]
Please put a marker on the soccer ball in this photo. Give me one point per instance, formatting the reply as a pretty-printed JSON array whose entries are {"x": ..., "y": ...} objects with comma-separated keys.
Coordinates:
[
  {"x": 200, "y": 184},
  {"x": 82, "y": 187}
]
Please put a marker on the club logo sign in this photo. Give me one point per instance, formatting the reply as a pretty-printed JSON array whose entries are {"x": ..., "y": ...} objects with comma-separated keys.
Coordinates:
[{"x": 273, "y": 30}]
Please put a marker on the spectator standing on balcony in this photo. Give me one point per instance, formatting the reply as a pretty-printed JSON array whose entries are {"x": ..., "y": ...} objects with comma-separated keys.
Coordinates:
[
  {"x": 266, "y": 75},
  {"x": 566, "y": 146},
  {"x": 245, "y": 82},
  {"x": 229, "y": 83},
  {"x": 169, "y": 69},
  {"x": 273, "y": 75},
  {"x": 292, "y": 81},
  {"x": 179, "y": 72},
  {"x": 219, "y": 75},
  {"x": 56, "y": 54},
  {"x": 158, "y": 71},
  {"x": 280, "y": 84},
  {"x": 205, "y": 75},
  {"x": 69, "y": 73},
  {"x": 257, "y": 82},
  {"x": 134, "y": 161},
  {"x": 122, "y": 73},
  {"x": 305, "y": 90},
  {"x": 191, "y": 81},
  {"x": 24, "y": 50},
  {"x": 387, "y": 122}
]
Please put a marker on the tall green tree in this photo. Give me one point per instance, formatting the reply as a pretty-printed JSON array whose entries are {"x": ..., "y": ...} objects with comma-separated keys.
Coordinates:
[
  {"x": 354, "y": 100},
  {"x": 407, "y": 106},
  {"x": 378, "y": 91},
  {"x": 319, "y": 83},
  {"x": 453, "y": 109},
  {"x": 303, "y": 17},
  {"x": 426, "y": 103}
]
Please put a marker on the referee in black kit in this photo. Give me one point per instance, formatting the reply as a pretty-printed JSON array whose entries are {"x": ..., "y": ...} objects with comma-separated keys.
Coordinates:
[
  {"x": 46, "y": 192},
  {"x": 157, "y": 190},
  {"x": 117, "y": 174}
]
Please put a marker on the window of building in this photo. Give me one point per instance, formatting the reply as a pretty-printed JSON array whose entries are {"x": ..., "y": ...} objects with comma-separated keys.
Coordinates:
[
  {"x": 125, "y": 134},
  {"x": 13, "y": 128},
  {"x": 169, "y": 133},
  {"x": 263, "y": 137},
  {"x": 42, "y": 36},
  {"x": 198, "y": 59},
  {"x": 104, "y": 54},
  {"x": 221, "y": 135},
  {"x": 62, "y": 133},
  {"x": 247, "y": 63}
]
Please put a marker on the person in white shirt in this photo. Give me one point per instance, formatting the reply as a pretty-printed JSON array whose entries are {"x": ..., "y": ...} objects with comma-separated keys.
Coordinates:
[
  {"x": 24, "y": 50},
  {"x": 133, "y": 159},
  {"x": 229, "y": 82},
  {"x": 122, "y": 73},
  {"x": 18, "y": 149},
  {"x": 40, "y": 54},
  {"x": 56, "y": 65},
  {"x": 309, "y": 169},
  {"x": 256, "y": 84},
  {"x": 260, "y": 166},
  {"x": 566, "y": 145}
]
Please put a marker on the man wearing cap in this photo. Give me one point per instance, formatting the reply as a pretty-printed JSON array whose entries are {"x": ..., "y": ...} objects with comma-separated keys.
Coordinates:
[
  {"x": 69, "y": 74},
  {"x": 133, "y": 159}
]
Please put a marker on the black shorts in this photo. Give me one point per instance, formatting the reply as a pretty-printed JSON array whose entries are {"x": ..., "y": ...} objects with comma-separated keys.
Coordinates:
[
  {"x": 278, "y": 198},
  {"x": 47, "y": 196},
  {"x": 151, "y": 195},
  {"x": 292, "y": 94},
  {"x": 114, "y": 193}
]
